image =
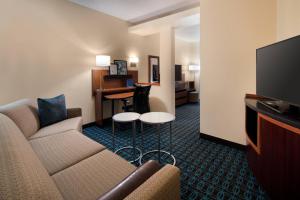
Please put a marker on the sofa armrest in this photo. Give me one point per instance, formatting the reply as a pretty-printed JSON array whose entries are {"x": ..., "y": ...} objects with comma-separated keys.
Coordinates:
[
  {"x": 74, "y": 112},
  {"x": 163, "y": 185},
  {"x": 133, "y": 181}
]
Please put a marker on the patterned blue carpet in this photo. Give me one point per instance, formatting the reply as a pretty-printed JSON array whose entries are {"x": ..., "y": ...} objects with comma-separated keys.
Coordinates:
[{"x": 208, "y": 170}]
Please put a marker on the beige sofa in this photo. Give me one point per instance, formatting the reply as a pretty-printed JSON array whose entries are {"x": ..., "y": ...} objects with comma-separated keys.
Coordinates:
[{"x": 58, "y": 162}]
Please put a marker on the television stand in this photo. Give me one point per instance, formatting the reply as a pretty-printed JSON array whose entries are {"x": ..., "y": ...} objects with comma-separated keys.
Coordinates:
[
  {"x": 277, "y": 106},
  {"x": 273, "y": 146}
]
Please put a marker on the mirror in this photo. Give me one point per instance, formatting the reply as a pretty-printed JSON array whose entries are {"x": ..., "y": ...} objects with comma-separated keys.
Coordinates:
[{"x": 154, "y": 73}]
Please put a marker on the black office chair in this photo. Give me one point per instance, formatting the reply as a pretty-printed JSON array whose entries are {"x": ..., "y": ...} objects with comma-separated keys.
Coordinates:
[{"x": 140, "y": 100}]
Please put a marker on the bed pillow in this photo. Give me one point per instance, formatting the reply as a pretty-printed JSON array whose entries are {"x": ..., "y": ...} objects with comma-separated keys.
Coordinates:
[{"x": 52, "y": 110}]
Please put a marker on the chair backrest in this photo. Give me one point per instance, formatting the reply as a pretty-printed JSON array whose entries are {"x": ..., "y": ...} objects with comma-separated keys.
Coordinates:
[{"x": 141, "y": 99}]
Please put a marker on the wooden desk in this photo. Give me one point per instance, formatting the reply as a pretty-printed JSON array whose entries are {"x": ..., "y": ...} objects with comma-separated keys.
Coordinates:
[
  {"x": 117, "y": 90},
  {"x": 110, "y": 94},
  {"x": 118, "y": 96},
  {"x": 104, "y": 84}
]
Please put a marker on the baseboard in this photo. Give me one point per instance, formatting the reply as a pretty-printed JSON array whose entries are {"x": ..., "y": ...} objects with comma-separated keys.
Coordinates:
[
  {"x": 105, "y": 122},
  {"x": 202, "y": 135},
  {"x": 222, "y": 141},
  {"x": 89, "y": 125}
]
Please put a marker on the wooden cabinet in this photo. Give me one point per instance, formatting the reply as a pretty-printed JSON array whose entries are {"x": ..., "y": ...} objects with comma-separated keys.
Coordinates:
[
  {"x": 293, "y": 165},
  {"x": 273, "y": 157},
  {"x": 273, "y": 152},
  {"x": 181, "y": 97}
]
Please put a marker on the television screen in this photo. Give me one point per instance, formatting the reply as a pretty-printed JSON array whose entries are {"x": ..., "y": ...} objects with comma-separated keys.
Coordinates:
[{"x": 278, "y": 71}]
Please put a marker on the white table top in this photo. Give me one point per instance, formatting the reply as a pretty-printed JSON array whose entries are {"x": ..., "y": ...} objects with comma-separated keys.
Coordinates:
[
  {"x": 126, "y": 117},
  {"x": 157, "y": 117}
]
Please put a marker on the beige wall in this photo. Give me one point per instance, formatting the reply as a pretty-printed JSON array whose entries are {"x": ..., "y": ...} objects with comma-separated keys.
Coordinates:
[
  {"x": 231, "y": 31},
  {"x": 162, "y": 97},
  {"x": 165, "y": 93},
  {"x": 151, "y": 48},
  {"x": 48, "y": 48},
  {"x": 188, "y": 53},
  {"x": 288, "y": 18}
]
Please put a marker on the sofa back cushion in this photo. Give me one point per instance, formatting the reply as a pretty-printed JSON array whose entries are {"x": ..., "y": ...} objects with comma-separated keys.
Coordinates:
[
  {"x": 25, "y": 115},
  {"x": 22, "y": 174}
]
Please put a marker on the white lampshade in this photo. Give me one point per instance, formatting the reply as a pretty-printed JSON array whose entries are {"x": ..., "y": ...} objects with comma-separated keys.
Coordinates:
[
  {"x": 102, "y": 61},
  {"x": 194, "y": 67},
  {"x": 134, "y": 59}
]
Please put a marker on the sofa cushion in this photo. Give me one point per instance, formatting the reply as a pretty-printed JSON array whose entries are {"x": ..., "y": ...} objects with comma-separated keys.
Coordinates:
[
  {"x": 22, "y": 175},
  {"x": 92, "y": 177},
  {"x": 60, "y": 151},
  {"x": 52, "y": 110},
  {"x": 24, "y": 114},
  {"x": 66, "y": 125}
]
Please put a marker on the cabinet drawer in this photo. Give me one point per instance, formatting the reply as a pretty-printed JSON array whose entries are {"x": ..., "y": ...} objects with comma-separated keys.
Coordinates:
[{"x": 181, "y": 94}]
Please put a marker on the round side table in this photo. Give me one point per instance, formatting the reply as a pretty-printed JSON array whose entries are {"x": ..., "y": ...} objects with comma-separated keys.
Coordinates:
[
  {"x": 158, "y": 118},
  {"x": 125, "y": 118}
]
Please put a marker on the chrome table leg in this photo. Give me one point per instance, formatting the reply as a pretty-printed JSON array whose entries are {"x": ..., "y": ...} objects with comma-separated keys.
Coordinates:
[
  {"x": 171, "y": 132},
  {"x": 142, "y": 132},
  {"x": 113, "y": 132},
  {"x": 133, "y": 137},
  {"x": 158, "y": 132}
]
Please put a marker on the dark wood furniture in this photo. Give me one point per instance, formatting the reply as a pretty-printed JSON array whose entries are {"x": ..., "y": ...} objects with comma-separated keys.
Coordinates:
[
  {"x": 273, "y": 148},
  {"x": 118, "y": 96},
  {"x": 178, "y": 72},
  {"x": 181, "y": 97},
  {"x": 182, "y": 90},
  {"x": 181, "y": 93},
  {"x": 103, "y": 84},
  {"x": 192, "y": 85},
  {"x": 121, "y": 77},
  {"x": 193, "y": 97}
]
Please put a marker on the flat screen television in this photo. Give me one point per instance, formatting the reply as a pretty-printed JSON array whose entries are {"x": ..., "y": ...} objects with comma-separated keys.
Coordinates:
[{"x": 278, "y": 71}]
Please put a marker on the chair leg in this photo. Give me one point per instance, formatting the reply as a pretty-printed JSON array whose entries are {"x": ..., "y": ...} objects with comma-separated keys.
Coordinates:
[{"x": 125, "y": 105}]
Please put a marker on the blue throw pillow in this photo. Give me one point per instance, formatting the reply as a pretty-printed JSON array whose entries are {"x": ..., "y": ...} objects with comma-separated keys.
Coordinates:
[{"x": 52, "y": 110}]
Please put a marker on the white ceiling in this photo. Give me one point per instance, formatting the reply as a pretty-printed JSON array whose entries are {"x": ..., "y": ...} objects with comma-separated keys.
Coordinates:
[
  {"x": 186, "y": 18},
  {"x": 136, "y": 11},
  {"x": 189, "y": 34}
]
